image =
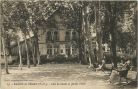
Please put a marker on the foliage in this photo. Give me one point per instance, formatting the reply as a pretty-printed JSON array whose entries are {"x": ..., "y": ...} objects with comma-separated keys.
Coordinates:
[{"x": 111, "y": 19}]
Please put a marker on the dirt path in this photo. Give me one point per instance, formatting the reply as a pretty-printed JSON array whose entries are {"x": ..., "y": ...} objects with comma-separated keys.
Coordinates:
[{"x": 58, "y": 76}]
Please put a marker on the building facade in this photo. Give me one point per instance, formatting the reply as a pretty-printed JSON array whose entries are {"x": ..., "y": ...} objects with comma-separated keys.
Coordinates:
[
  {"x": 54, "y": 41},
  {"x": 57, "y": 38}
]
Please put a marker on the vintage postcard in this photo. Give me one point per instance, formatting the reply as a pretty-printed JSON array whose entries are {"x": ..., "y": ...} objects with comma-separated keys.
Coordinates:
[{"x": 71, "y": 44}]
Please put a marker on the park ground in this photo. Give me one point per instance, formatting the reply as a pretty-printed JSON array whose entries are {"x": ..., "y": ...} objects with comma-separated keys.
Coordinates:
[{"x": 59, "y": 76}]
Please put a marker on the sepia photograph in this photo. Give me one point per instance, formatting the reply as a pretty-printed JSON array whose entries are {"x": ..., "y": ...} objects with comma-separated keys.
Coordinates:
[{"x": 71, "y": 44}]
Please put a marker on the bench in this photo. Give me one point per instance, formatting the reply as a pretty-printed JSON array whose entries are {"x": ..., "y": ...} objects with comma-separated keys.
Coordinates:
[{"x": 131, "y": 76}]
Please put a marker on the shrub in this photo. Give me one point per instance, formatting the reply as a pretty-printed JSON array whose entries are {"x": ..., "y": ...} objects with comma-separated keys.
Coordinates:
[
  {"x": 108, "y": 58},
  {"x": 59, "y": 58},
  {"x": 73, "y": 59}
]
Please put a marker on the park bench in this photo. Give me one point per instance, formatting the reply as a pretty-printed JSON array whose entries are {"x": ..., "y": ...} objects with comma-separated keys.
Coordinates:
[
  {"x": 123, "y": 74},
  {"x": 127, "y": 75},
  {"x": 132, "y": 75}
]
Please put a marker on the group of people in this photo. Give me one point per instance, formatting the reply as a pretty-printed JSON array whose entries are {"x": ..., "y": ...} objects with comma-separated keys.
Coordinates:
[
  {"x": 121, "y": 71},
  {"x": 98, "y": 66}
]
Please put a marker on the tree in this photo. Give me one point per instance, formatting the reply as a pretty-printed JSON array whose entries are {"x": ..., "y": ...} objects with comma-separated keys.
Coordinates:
[
  {"x": 98, "y": 22},
  {"x": 114, "y": 12},
  {"x": 40, "y": 11},
  {"x": 5, "y": 54},
  {"x": 81, "y": 10},
  {"x": 20, "y": 54},
  {"x": 5, "y": 10},
  {"x": 79, "y": 13},
  {"x": 20, "y": 17},
  {"x": 11, "y": 26}
]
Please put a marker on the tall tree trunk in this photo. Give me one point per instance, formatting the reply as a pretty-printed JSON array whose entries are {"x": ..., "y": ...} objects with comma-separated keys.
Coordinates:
[
  {"x": 27, "y": 55},
  {"x": 91, "y": 55},
  {"x": 9, "y": 47},
  {"x": 100, "y": 51},
  {"x": 80, "y": 49},
  {"x": 83, "y": 36},
  {"x": 3, "y": 41},
  {"x": 32, "y": 50},
  {"x": 79, "y": 42},
  {"x": 113, "y": 26},
  {"x": 37, "y": 48},
  {"x": 33, "y": 55},
  {"x": 99, "y": 33},
  {"x": 87, "y": 34},
  {"x": 37, "y": 54},
  {"x": 20, "y": 56},
  {"x": 5, "y": 56},
  {"x": 113, "y": 45},
  {"x": 96, "y": 20}
]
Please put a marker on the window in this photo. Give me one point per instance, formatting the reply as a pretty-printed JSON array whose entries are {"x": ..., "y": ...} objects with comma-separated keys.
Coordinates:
[
  {"x": 55, "y": 36},
  {"x": 67, "y": 50},
  {"x": 74, "y": 35},
  {"x": 94, "y": 43},
  {"x": 56, "y": 47},
  {"x": 61, "y": 50},
  {"x": 94, "y": 31},
  {"x": 49, "y": 36},
  {"x": 103, "y": 48},
  {"x": 67, "y": 37},
  {"x": 74, "y": 49},
  {"x": 49, "y": 49}
]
